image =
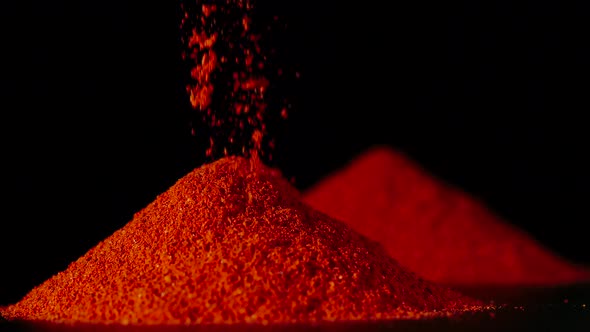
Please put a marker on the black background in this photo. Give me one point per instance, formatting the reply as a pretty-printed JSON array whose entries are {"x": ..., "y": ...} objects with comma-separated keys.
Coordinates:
[{"x": 487, "y": 95}]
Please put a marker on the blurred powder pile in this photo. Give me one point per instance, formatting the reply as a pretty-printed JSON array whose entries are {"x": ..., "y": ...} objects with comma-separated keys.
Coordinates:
[{"x": 434, "y": 229}]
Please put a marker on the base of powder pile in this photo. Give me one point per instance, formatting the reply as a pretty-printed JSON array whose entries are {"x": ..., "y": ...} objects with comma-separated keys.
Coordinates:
[
  {"x": 546, "y": 317},
  {"x": 564, "y": 308},
  {"x": 426, "y": 316}
]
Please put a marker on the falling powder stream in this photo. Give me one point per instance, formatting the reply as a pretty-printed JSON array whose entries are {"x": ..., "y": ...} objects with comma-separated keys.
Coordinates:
[
  {"x": 435, "y": 229},
  {"x": 229, "y": 76}
]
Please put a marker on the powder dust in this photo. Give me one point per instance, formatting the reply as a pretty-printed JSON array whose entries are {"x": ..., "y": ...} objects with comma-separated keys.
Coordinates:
[
  {"x": 433, "y": 228},
  {"x": 232, "y": 242}
]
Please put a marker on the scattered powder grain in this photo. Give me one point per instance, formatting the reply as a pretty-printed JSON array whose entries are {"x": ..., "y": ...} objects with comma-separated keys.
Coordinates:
[
  {"x": 230, "y": 76},
  {"x": 434, "y": 229},
  {"x": 232, "y": 242}
]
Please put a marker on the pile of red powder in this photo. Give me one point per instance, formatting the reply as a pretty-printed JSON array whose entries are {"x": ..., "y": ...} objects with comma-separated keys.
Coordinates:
[
  {"x": 433, "y": 228},
  {"x": 232, "y": 242}
]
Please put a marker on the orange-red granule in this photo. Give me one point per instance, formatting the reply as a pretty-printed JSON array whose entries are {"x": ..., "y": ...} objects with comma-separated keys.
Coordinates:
[
  {"x": 433, "y": 228},
  {"x": 229, "y": 76},
  {"x": 231, "y": 242}
]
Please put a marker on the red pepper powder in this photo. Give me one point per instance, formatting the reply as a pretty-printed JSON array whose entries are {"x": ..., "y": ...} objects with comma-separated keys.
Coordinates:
[
  {"x": 228, "y": 85},
  {"x": 433, "y": 228},
  {"x": 232, "y": 242}
]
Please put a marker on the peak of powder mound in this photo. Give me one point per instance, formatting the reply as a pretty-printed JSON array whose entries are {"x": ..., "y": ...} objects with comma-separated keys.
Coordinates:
[
  {"x": 231, "y": 242},
  {"x": 432, "y": 227}
]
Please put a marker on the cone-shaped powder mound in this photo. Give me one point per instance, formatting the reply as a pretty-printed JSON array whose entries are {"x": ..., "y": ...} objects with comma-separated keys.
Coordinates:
[
  {"x": 433, "y": 228},
  {"x": 231, "y": 242}
]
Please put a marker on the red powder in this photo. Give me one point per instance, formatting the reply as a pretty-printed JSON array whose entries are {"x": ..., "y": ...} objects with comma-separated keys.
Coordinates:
[
  {"x": 228, "y": 81},
  {"x": 232, "y": 242},
  {"x": 433, "y": 228}
]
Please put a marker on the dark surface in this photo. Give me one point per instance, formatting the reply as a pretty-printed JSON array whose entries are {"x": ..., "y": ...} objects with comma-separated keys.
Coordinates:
[
  {"x": 488, "y": 95},
  {"x": 529, "y": 296}
]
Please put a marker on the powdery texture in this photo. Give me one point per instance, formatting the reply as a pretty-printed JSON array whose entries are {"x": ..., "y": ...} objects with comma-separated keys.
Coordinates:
[
  {"x": 433, "y": 228},
  {"x": 231, "y": 242}
]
